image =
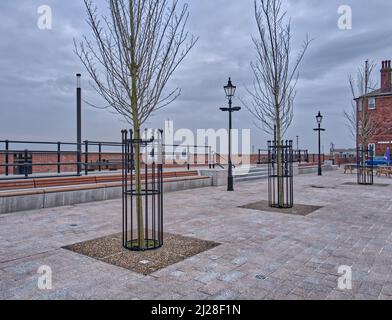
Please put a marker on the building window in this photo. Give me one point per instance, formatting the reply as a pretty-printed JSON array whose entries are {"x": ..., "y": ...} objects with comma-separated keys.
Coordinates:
[
  {"x": 372, "y": 147},
  {"x": 372, "y": 103}
]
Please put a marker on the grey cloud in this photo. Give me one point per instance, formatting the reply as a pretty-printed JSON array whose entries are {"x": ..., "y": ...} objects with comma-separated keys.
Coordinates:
[{"x": 37, "y": 84}]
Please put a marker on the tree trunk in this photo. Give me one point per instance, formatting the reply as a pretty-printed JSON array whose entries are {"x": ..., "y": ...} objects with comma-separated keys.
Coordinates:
[
  {"x": 136, "y": 127},
  {"x": 280, "y": 164},
  {"x": 138, "y": 189}
]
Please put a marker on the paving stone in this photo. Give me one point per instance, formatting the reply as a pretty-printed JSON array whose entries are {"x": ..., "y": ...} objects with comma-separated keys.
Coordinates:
[
  {"x": 232, "y": 276},
  {"x": 207, "y": 277},
  {"x": 213, "y": 287},
  {"x": 240, "y": 261},
  {"x": 226, "y": 294},
  {"x": 294, "y": 257}
]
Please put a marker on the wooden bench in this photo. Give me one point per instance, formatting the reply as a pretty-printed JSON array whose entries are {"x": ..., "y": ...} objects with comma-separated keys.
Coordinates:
[
  {"x": 66, "y": 191},
  {"x": 185, "y": 173},
  {"x": 387, "y": 171},
  {"x": 349, "y": 167},
  {"x": 83, "y": 180},
  {"x": 68, "y": 188},
  {"x": 17, "y": 184},
  {"x": 65, "y": 181}
]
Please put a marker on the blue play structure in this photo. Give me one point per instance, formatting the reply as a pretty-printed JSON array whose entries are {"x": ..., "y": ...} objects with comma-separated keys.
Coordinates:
[{"x": 379, "y": 161}]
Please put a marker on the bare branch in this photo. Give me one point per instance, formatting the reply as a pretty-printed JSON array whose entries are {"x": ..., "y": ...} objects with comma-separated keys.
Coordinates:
[
  {"x": 361, "y": 121},
  {"x": 275, "y": 76},
  {"x": 134, "y": 53}
]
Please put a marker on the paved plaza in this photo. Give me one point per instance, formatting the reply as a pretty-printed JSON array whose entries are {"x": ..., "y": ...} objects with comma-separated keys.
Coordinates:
[{"x": 263, "y": 255}]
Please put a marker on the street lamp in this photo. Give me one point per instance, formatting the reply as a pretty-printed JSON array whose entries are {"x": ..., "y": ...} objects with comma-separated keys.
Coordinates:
[
  {"x": 319, "y": 119},
  {"x": 78, "y": 123},
  {"x": 230, "y": 91}
]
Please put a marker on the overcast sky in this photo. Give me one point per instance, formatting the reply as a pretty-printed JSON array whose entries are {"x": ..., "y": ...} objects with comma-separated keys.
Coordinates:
[{"x": 38, "y": 67}]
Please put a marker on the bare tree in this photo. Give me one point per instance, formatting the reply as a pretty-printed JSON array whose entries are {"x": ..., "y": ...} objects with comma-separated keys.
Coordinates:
[
  {"x": 275, "y": 75},
  {"x": 360, "y": 120},
  {"x": 134, "y": 52}
]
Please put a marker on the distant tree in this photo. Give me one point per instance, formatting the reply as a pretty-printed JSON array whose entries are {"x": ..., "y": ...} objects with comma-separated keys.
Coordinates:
[
  {"x": 133, "y": 54},
  {"x": 361, "y": 121},
  {"x": 275, "y": 75}
]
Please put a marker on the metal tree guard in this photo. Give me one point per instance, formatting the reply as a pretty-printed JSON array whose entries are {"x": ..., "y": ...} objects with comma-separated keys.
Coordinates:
[
  {"x": 150, "y": 196},
  {"x": 365, "y": 168},
  {"x": 280, "y": 176}
]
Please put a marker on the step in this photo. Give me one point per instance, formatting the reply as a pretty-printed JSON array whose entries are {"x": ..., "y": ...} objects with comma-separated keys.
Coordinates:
[
  {"x": 241, "y": 173},
  {"x": 250, "y": 178},
  {"x": 251, "y": 174}
]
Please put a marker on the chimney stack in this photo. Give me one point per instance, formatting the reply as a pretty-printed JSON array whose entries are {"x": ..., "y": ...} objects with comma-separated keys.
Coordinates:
[{"x": 386, "y": 77}]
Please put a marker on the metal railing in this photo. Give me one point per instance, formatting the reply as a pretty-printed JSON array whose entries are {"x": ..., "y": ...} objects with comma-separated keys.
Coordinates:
[
  {"x": 298, "y": 156},
  {"x": 220, "y": 157},
  {"x": 43, "y": 159}
]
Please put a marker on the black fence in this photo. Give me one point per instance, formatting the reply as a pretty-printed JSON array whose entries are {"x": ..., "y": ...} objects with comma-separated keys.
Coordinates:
[
  {"x": 298, "y": 156},
  {"x": 142, "y": 194},
  {"x": 44, "y": 159},
  {"x": 365, "y": 166},
  {"x": 280, "y": 174}
]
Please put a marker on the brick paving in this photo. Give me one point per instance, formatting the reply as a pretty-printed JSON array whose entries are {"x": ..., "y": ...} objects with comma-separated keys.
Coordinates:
[{"x": 264, "y": 255}]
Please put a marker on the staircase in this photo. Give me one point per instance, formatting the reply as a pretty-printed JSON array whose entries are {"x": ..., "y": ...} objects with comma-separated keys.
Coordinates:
[{"x": 255, "y": 173}]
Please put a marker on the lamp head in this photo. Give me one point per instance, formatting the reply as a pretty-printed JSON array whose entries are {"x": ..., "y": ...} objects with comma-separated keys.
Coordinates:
[{"x": 230, "y": 89}]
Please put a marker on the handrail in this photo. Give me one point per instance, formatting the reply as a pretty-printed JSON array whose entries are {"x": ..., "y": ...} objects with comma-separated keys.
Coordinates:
[
  {"x": 298, "y": 155},
  {"x": 91, "y": 154},
  {"x": 220, "y": 156}
]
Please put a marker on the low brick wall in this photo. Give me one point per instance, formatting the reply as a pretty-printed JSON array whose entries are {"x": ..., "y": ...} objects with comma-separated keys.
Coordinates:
[{"x": 21, "y": 201}]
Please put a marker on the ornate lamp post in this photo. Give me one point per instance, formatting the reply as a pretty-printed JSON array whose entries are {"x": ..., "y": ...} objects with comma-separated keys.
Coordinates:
[
  {"x": 230, "y": 91},
  {"x": 319, "y": 119},
  {"x": 78, "y": 123}
]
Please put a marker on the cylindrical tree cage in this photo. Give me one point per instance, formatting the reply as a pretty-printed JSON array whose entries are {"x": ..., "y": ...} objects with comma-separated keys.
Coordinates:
[
  {"x": 365, "y": 166},
  {"x": 142, "y": 207},
  {"x": 280, "y": 174}
]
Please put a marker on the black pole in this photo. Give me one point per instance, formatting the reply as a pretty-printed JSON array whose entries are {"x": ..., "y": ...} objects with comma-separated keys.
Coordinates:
[
  {"x": 6, "y": 157},
  {"x": 230, "y": 184},
  {"x": 79, "y": 123},
  {"x": 86, "y": 157},
  {"x": 58, "y": 157},
  {"x": 319, "y": 151},
  {"x": 25, "y": 165},
  {"x": 100, "y": 156}
]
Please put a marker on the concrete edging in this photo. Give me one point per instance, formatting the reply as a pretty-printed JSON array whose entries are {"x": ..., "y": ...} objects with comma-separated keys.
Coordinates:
[{"x": 66, "y": 198}]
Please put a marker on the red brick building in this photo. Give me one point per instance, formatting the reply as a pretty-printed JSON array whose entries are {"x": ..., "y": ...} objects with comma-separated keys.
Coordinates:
[{"x": 379, "y": 102}]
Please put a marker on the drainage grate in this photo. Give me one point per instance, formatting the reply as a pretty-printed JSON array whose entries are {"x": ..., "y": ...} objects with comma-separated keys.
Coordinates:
[{"x": 261, "y": 277}]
